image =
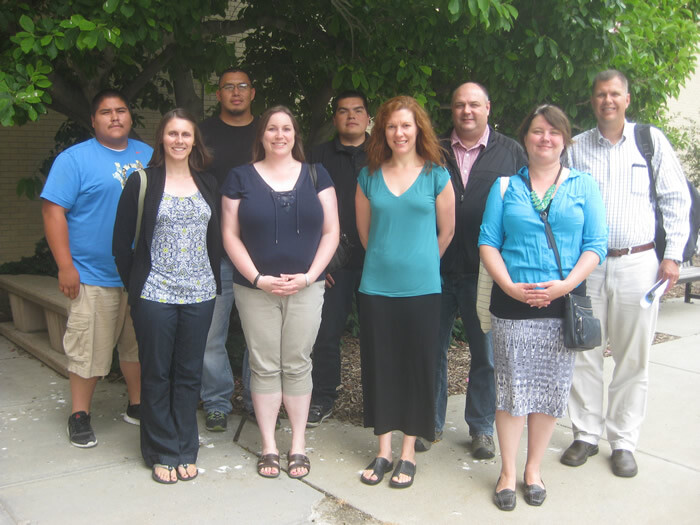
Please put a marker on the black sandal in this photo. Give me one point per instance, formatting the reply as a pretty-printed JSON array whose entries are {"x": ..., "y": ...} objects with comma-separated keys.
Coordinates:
[
  {"x": 298, "y": 461},
  {"x": 403, "y": 467},
  {"x": 158, "y": 479},
  {"x": 379, "y": 467},
  {"x": 183, "y": 478},
  {"x": 269, "y": 461}
]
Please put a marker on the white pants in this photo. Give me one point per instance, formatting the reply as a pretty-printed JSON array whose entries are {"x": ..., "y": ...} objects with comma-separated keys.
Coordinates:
[{"x": 616, "y": 288}]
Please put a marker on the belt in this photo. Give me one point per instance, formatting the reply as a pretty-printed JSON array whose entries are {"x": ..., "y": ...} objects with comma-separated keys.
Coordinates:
[{"x": 619, "y": 252}]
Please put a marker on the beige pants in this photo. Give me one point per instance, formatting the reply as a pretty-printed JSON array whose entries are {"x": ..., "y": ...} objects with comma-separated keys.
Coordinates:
[
  {"x": 280, "y": 334},
  {"x": 615, "y": 288},
  {"x": 98, "y": 319}
]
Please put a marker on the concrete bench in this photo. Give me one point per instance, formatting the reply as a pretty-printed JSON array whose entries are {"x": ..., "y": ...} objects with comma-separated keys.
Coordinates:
[
  {"x": 689, "y": 274},
  {"x": 39, "y": 315}
]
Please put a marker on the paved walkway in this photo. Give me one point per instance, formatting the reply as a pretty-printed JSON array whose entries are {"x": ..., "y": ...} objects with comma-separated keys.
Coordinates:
[{"x": 44, "y": 480}]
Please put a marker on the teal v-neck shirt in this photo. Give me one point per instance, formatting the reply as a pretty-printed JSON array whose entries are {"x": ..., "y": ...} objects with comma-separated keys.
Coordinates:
[{"x": 402, "y": 259}]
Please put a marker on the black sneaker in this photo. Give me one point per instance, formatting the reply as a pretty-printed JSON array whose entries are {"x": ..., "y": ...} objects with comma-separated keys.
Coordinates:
[
  {"x": 79, "y": 430},
  {"x": 133, "y": 414},
  {"x": 317, "y": 415},
  {"x": 216, "y": 421}
]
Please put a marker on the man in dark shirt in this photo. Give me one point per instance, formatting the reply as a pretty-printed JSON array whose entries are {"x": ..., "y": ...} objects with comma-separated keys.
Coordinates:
[
  {"x": 229, "y": 135},
  {"x": 476, "y": 156},
  {"x": 343, "y": 157}
]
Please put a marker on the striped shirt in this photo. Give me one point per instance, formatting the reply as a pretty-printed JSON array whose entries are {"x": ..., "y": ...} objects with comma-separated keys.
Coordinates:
[{"x": 621, "y": 173}]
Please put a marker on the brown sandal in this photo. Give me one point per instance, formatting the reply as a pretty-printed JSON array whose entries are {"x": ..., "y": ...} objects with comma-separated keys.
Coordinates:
[
  {"x": 269, "y": 461},
  {"x": 298, "y": 461}
]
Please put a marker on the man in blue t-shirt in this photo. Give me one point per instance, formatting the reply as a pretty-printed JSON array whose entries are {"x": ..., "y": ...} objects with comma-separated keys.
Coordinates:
[{"x": 79, "y": 206}]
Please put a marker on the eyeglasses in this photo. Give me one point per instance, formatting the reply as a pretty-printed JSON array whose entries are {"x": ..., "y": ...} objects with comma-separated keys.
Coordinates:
[{"x": 243, "y": 86}]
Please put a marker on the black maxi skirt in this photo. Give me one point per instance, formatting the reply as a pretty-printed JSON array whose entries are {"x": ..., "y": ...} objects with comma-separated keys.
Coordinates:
[{"x": 398, "y": 347}]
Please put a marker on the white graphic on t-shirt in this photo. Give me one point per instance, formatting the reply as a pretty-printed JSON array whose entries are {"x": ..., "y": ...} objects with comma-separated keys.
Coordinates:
[{"x": 122, "y": 172}]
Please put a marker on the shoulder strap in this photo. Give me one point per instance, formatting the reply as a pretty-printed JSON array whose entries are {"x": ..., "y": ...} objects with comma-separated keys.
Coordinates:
[
  {"x": 642, "y": 137},
  {"x": 314, "y": 175},
  {"x": 142, "y": 196},
  {"x": 505, "y": 181}
]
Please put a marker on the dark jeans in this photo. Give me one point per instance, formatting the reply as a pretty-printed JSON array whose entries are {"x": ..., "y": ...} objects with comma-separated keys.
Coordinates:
[
  {"x": 171, "y": 341},
  {"x": 459, "y": 294},
  {"x": 337, "y": 304}
]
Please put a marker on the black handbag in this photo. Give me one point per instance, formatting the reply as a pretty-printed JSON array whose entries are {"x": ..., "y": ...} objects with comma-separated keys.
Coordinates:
[{"x": 581, "y": 329}]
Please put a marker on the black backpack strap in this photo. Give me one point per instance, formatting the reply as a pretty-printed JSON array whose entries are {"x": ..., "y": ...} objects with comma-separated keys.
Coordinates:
[
  {"x": 314, "y": 175},
  {"x": 642, "y": 136}
]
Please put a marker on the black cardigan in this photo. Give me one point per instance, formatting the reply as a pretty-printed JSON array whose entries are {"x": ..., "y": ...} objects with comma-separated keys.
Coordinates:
[{"x": 135, "y": 265}]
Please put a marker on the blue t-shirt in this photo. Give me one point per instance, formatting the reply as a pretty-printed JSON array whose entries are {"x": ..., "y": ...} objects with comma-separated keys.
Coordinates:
[
  {"x": 280, "y": 229},
  {"x": 576, "y": 215},
  {"x": 87, "y": 179},
  {"x": 403, "y": 257}
]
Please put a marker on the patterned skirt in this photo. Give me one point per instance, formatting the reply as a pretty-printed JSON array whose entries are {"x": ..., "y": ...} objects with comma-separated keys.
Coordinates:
[{"x": 533, "y": 368}]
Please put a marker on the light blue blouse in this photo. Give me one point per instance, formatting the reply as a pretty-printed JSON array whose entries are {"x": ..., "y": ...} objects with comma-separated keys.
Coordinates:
[
  {"x": 576, "y": 215},
  {"x": 402, "y": 258}
]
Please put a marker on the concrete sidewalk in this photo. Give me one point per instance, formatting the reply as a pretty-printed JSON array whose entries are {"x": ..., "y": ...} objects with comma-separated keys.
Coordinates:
[{"x": 44, "y": 480}]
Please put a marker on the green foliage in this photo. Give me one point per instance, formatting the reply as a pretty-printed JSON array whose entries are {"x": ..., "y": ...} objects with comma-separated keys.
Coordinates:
[
  {"x": 686, "y": 140},
  {"x": 58, "y": 53},
  {"x": 41, "y": 263}
]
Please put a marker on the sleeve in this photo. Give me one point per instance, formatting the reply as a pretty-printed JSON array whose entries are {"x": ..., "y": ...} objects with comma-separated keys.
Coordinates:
[
  {"x": 673, "y": 195},
  {"x": 363, "y": 181},
  {"x": 125, "y": 227},
  {"x": 323, "y": 178},
  {"x": 440, "y": 178},
  {"x": 63, "y": 183},
  {"x": 595, "y": 227},
  {"x": 491, "y": 231},
  {"x": 233, "y": 185}
]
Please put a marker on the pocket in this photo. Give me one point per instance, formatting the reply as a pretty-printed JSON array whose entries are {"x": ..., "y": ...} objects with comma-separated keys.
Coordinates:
[{"x": 75, "y": 341}]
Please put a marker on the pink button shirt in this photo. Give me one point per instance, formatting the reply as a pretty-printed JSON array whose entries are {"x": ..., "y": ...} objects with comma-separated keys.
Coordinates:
[{"x": 466, "y": 157}]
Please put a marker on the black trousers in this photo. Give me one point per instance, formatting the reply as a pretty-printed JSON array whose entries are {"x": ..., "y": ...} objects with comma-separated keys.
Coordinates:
[
  {"x": 171, "y": 341},
  {"x": 337, "y": 304}
]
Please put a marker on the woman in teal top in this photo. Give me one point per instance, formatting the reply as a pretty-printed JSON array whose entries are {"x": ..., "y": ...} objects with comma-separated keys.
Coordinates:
[{"x": 405, "y": 220}]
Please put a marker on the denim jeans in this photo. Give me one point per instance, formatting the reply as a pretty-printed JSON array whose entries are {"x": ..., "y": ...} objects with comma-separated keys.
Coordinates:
[
  {"x": 459, "y": 294},
  {"x": 171, "y": 341},
  {"x": 337, "y": 304},
  {"x": 217, "y": 377}
]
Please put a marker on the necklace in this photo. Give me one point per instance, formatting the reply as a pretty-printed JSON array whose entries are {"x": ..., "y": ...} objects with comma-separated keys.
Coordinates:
[{"x": 541, "y": 205}]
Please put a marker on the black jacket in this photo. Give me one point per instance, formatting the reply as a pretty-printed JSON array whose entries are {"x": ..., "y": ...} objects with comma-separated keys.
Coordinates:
[
  {"x": 344, "y": 163},
  {"x": 135, "y": 265},
  {"x": 501, "y": 157}
]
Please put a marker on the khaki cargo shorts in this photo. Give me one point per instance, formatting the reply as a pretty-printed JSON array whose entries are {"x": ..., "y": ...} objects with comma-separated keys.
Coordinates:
[{"x": 98, "y": 320}]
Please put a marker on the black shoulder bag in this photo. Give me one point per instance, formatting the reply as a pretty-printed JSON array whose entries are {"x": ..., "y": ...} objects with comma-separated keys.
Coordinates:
[{"x": 581, "y": 329}]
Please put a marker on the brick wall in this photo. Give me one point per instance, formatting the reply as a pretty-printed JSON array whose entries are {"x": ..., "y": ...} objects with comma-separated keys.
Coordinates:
[{"x": 22, "y": 151}]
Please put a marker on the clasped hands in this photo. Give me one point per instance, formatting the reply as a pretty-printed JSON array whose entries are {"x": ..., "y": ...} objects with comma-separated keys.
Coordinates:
[
  {"x": 538, "y": 295},
  {"x": 285, "y": 284}
]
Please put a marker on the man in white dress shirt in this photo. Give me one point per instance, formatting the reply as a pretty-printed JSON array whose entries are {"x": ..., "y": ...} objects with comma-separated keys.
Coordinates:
[{"x": 609, "y": 152}]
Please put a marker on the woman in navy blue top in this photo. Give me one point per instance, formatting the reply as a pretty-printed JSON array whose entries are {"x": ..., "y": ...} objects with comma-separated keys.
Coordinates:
[
  {"x": 533, "y": 369},
  {"x": 280, "y": 229}
]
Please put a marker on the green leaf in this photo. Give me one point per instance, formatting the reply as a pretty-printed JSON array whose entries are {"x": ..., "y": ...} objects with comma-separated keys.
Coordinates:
[
  {"x": 43, "y": 83},
  {"x": 539, "y": 48},
  {"x": 356, "y": 80},
  {"x": 425, "y": 69},
  {"x": 27, "y": 44},
  {"x": 26, "y": 23},
  {"x": 86, "y": 25},
  {"x": 110, "y": 6},
  {"x": 46, "y": 40},
  {"x": 127, "y": 10},
  {"x": 453, "y": 7},
  {"x": 32, "y": 113},
  {"x": 484, "y": 7}
]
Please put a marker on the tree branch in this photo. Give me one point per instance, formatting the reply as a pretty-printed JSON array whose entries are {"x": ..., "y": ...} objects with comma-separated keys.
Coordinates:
[{"x": 149, "y": 70}]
